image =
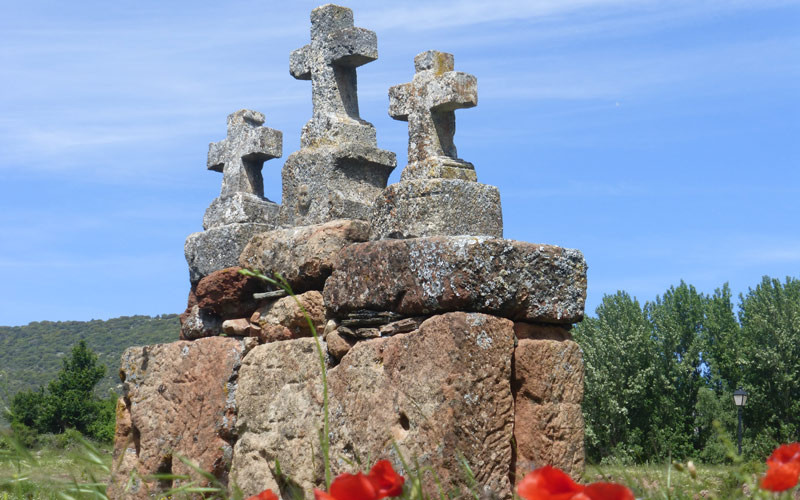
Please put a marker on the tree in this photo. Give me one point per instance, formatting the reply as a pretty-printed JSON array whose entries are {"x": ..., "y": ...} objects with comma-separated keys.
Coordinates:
[
  {"x": 69, "y": 401},
  {"x": 618, "y": 354},
  {"x": 770, "y": 361}
]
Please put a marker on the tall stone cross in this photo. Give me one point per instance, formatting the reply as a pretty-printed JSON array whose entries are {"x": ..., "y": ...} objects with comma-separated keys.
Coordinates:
[
  {"x": 242, "y": 154},
  {"x": 337, "y": 48},
  {"x": 428, "y": 104}
]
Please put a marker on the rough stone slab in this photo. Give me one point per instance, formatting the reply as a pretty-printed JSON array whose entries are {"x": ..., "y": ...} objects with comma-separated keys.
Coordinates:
[
  {"x": 422, "y": 276},
  {"x": 321, "y": 184},
  {"x": 437, "y": 207},
  {"x": 198, "y": 323},
  {"x": 437, "y": 392},
  {"x": 218, "y": 248},
  {"x": 550, "y": 433},
  {"x": 280, "y": 413},
  {"x": 178, "y": 399},
  {"x": 240, "y": 208},
  {"x": 302, "y": 255}
]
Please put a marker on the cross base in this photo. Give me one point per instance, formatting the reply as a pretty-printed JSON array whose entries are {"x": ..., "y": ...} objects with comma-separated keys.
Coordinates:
[
  {"x": 437, "y": 207},
  {"x": 240, "y": 208},
  {"x": 334, "y": 182},
  {"x": 439, "y": 167}
]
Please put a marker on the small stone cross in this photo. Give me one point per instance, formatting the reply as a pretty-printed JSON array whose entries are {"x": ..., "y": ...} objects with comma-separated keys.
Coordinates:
[
  {"x": 330, "y": 61},
  {"x": 428, "y": 104},
  {"x": 242, "y": 154}
]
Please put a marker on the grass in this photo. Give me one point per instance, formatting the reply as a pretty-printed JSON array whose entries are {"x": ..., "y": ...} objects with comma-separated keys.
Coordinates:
[
  {"x": 651, "y": 482},
  {"x": 49, "y": 471}
]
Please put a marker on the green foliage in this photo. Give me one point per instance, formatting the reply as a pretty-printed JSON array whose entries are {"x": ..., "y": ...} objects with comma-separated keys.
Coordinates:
[
  {"x": 68, "y": 403},
  {"x": 660, "y": 377},
  {"x": 31, "y": 355}
]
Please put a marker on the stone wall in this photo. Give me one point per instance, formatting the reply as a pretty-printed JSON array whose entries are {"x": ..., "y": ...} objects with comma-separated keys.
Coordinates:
[{"x": 446, "y": 345}]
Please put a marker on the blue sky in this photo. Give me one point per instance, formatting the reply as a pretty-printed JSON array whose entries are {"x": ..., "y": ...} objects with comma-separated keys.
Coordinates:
[{"x": 660, "y": 138}]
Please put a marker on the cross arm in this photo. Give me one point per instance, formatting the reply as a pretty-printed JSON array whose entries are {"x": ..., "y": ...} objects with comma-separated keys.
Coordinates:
[
  {"x": 216, "y": 156},
  {"x": 453, "y": 90},
  {"x": 400, "y": 101},
  {"x": 300, "y": 63},
  {"x": 263, "y": 143},
  {"x": 353, "y": 47}
]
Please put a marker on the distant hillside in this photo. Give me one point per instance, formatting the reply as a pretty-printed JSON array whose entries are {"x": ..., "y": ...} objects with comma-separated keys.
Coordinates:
[{"x": 30, "y": 355}]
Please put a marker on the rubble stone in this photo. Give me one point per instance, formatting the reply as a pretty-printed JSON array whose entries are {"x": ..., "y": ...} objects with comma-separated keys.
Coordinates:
[
  {"x": 228, "y": 294},
  {"x": 424, "y": 276},
  {"x": 287, "y": 313},
  {"x": 178, "y": 400},
  {"x": 302, "y": 255}
]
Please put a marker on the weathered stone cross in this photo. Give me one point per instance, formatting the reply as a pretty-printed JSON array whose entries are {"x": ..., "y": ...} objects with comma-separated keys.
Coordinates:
[
  {"x": 428, "y": 104},
  {"x": 242, "y": 154},
  {"x": 330, "y": 61}
]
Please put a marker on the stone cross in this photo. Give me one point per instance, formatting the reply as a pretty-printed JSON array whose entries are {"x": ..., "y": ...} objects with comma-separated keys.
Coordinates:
[
  {"x": 242, "y": 154},
  {"x": 337, "y": 48},
  {"x": 428, "y": 104}
]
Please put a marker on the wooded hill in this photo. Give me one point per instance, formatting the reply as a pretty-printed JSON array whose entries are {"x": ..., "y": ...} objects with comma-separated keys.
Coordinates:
[{"x": 31, "y": 355}]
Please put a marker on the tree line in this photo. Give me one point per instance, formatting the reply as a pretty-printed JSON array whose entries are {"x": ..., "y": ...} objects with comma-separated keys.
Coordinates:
[{"x": 659, "y": 376}]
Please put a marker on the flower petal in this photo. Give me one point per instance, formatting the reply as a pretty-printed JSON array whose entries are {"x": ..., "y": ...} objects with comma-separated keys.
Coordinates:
[
  {"x": 265, "y": 495},
  {"x": 781, "y": 476},
  {"x": 548, "y": 483},
  {"x": 353, "y": 487},
  {"x": 320, "y": 495},
  {"x": 608, "y": 491},
  {"x": 387, "y": 482}
]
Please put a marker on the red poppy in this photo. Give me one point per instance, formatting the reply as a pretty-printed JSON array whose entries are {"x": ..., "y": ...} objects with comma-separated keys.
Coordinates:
[
  {"x": 549, "y": 483},
  {"x": 783, "y": 468},
  {"x": 264, "y": 495},
  {"x": 386, "y": 481},
  {"x": 349, "y": 487}
]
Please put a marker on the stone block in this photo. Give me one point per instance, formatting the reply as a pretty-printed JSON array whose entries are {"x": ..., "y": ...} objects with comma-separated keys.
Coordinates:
[
  {"x": 302, "y": 255},
  {"x": 423, "y": 276},
  {"x": 279, "y": 417},
  {"x": 548, "y": 371},
  {"x": 240, "y": 208},
  {"x": 218, "y": 248},
  {"x": 178, "y": 399},
  {"x": 547, "y": 382},
  {"x": 437, "y": 393},
  {"x": 437, "y": 207},
  {"x": 539, "y": 331},
  {"x": 550, "y": 433}
]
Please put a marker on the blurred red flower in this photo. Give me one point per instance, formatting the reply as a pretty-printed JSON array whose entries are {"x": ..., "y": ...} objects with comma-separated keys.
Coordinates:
[
  {"x": 783, "y": 468},
  {"x": 264, "y": 495},
  {"x": 388, "y": 482},
  {"x": 381, "y": 482},
  {"x": 549, "y": 483}
]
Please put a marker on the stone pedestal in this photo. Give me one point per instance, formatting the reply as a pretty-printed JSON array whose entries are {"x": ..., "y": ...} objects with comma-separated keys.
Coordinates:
[
  {"x": 432, "y": 207},
  {"x": 328, "y": 182},
  {"x": 240, "y": 208}
]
